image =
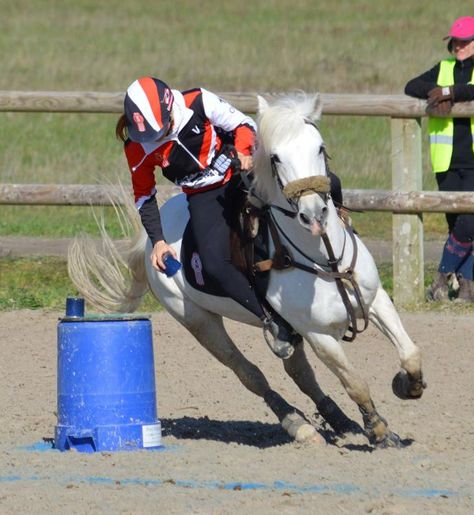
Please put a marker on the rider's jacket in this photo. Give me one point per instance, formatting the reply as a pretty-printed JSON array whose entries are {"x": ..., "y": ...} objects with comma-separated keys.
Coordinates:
[
  {"x": 442, "y": 129},
  {"x": 452, "y": 139},
  {"x": 201, "y": 122}
]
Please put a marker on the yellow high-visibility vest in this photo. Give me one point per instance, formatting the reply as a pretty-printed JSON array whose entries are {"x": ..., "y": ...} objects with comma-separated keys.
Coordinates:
[{"x": 441, "y": 130}]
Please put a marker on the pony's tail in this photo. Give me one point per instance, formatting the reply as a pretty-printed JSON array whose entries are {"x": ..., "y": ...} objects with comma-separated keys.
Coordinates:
[{"x": 111, "y": 279}]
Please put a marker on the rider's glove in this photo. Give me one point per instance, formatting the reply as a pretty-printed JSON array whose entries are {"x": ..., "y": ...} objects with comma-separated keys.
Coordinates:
[
  {"x": 440, "y": 94},
  {"x": 227, "y": 158},
  {"x": 222, "y": 163},
  {"x": 442, "y": 108}
]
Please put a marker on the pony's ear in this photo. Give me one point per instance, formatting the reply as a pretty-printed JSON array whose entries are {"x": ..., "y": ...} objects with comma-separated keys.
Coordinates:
[
  {"x": 317, "y": 108},
  {"x": 262, "y": 104}
]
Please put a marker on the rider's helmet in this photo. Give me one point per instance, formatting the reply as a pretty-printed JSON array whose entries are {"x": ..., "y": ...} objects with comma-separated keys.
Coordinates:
[
  {"x": 147, "y": 106},
  {"x": 462, "y": 29}
]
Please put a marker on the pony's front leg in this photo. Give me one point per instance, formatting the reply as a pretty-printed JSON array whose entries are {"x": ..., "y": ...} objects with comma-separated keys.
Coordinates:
[
  {"x": 209, "y": 330},
  {"x": 408, "y": 383},
  {"x": 330, "y": 352},
  {"x": 299, "y": 369}
]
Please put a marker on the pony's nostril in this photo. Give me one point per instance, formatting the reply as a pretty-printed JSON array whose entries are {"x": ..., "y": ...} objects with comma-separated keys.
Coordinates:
[
  {"x": 324, "y": 210},
  {"x": 305, "y": 219}
]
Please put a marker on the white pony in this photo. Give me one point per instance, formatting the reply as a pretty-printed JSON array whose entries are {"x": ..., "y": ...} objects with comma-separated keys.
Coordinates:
[{"x": 291, "y": 177}]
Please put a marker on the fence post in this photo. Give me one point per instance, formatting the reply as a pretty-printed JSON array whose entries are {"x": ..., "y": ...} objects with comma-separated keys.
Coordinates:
[{"x": 408, "y": 256}]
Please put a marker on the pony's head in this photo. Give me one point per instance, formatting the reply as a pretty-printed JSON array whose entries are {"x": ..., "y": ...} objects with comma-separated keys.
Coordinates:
[{"x": 290, "y": 160}]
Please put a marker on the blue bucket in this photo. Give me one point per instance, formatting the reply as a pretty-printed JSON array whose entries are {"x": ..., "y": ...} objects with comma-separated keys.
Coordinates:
[{"x": 106, "y": 385}]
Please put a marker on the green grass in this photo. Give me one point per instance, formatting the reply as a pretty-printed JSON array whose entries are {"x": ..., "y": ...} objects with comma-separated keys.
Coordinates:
[
  {"x": 31, "y": 283},
  {"x": 56, "y": 221},
  {"x": 43, "y": 283},
  {"x": 349, "y": 46},
  {"x": 343, "y": 46}
]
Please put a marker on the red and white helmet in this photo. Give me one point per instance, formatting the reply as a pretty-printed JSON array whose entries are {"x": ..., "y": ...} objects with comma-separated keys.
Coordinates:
[{"x": 147, "y": 106}]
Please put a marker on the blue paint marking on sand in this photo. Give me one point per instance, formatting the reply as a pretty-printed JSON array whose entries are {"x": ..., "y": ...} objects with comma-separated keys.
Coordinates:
[
  {"x": 425, "y": 492},
  {"x": 336, "y": 488},
  {"x": 10, "y": 479},
  {"x": 49, "y": 446},
  {"x": 219, "y": 485},
  {"x": 38, "y": 447}
]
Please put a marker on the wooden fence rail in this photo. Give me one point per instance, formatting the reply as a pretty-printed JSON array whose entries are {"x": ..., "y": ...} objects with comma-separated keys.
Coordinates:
[
  {"x": 407, "y": 200},
  {"x": 399, "y": 106},
  {"x": 365, "y": 200}
]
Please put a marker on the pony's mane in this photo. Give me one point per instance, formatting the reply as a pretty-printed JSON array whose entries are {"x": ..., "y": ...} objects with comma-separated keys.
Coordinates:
[{"x": 280, "y": 122}]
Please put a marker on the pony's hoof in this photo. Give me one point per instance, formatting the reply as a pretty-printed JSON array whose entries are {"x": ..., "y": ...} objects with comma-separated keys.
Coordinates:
[
  {"x": 389, "y": 441},
  {"x": 405, "y": 389},
  {"x": 308, "y": 434},
  {"x": 300, "y": 429}
]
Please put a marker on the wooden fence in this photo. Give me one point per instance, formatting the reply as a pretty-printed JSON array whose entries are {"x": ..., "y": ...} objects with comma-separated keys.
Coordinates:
[{"x": 406, "y": 200}]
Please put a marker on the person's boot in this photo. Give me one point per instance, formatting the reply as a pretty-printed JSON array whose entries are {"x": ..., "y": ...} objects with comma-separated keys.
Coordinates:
[
  {"x": 280, "y": 338},
  {"x": 464, "y": 292},
  {"x": 439, "y": 288}
]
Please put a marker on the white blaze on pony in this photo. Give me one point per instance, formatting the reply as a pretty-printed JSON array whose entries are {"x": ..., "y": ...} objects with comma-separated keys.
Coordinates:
[{"x": 291, "y": 176}]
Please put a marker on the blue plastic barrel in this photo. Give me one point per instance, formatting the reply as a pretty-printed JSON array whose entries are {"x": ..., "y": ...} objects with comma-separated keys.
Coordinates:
[{"x": 106, "y": 385}]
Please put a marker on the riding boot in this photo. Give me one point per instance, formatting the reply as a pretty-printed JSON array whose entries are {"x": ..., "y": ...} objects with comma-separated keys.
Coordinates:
[
  {"x": 280, "y": 338},
  {"x": 464, "y": 292},
  {"x": 439, "y": 288}
]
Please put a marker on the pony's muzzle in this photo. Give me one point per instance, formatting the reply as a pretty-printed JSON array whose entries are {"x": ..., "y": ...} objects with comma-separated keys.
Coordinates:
[{"x": 315, "y": 225}]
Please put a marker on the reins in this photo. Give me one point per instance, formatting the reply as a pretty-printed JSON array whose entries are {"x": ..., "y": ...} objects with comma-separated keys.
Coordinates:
[{"x": 283, "y": 259}]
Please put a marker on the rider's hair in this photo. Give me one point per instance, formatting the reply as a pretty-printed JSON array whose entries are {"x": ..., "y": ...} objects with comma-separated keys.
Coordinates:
[{"x": 121, "y": 128}]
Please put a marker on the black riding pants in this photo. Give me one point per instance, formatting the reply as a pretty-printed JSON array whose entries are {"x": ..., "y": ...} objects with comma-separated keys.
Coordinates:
[
  {"x": 212, "y": 216},
  {"x": 461, "y": 225}
]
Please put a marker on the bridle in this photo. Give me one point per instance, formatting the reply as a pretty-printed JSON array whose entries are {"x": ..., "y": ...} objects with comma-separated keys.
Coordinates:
[{"x": 293, "y": 191}]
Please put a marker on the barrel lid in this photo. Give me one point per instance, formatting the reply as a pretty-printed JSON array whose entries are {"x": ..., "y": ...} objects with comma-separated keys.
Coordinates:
[{"x": 107, "y": 317}]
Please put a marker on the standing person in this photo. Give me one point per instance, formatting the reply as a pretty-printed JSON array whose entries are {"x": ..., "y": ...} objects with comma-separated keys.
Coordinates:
[
  {"x": 183, "y": 133},
  {"x": 452, "y": 151}
]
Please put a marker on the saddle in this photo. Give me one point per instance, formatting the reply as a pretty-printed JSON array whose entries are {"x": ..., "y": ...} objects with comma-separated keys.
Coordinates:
[
  {"x": 249, "y": 243},
  {"x": 250, "y": 246}
]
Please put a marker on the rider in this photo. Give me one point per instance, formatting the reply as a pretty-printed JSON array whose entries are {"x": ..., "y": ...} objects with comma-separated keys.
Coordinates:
[{"x": 183, "y": 134}]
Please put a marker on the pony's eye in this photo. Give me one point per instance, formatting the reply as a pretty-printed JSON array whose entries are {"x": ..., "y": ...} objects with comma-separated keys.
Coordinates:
[
  {"x": 323, "y": 151},
  {"x": 275, "y": 158}
]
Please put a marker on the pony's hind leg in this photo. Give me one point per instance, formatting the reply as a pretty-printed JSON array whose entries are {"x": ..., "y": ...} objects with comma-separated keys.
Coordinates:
[
  {"x": 408, "y": 383},
  {"x": 299, "y": 369},
  {"x": 330, "y": 352},
  {"x": 209, "y": 330}
]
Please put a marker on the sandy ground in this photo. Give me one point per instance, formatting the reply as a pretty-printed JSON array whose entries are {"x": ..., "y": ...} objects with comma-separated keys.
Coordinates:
[{"x": 224, "y": 450}]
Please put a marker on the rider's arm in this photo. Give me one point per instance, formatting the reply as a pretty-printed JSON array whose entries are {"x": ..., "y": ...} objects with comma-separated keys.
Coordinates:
[
  {"x": 221, "y": 114},
  {"x": 420, "y": 86},
  {"x": 463, "y": 92},
  {"x": 144, "y": 188}
]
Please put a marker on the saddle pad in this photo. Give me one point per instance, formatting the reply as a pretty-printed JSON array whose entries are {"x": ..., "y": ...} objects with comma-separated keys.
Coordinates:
[{"x": 198, "y": 278}]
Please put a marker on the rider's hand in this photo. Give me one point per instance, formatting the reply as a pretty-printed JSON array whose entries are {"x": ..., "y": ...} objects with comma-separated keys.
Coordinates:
[
  {"x": 246, "y": 162},
  {"x": 159, "y": 251}
]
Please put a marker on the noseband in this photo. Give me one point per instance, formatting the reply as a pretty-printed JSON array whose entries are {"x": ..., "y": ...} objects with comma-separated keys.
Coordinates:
[{"x": 307, "y": 186}]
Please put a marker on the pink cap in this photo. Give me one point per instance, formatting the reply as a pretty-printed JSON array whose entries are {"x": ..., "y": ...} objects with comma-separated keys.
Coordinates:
[{"x": 462, "y": 28}]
